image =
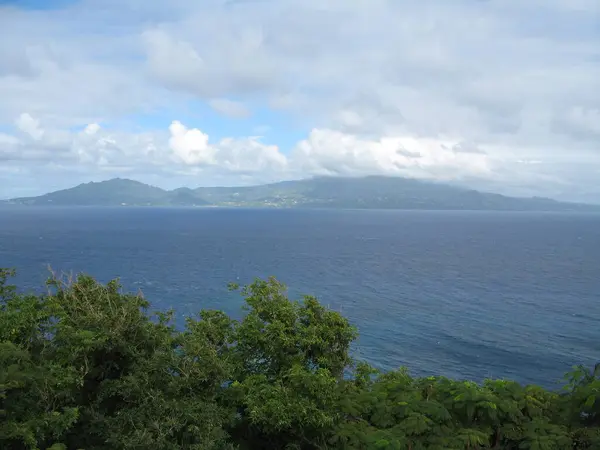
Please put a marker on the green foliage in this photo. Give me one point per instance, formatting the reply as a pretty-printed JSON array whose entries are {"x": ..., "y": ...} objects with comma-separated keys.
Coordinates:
[{"x": 87, "y": 366}]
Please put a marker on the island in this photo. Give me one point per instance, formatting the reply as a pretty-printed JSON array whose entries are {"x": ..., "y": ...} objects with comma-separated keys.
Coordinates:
[{"x": 372, "y": 192}]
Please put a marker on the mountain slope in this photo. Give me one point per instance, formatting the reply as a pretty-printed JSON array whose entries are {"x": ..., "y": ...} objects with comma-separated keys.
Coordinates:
[
  {"x": 325, "y": 192},
  {"x": 113, "y": 192},
  {"x": 377, "y": 192}
]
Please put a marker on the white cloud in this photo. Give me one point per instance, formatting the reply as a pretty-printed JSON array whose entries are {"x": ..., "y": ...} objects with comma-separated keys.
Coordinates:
[
  {"x": 332, "y": 152},
  {"x": 180, "y": 149},
  {"x": 324, "y": 151},
  {"x": 232, "y": 62},
  {"x": 583, "y": 122},
  {"x": 29, "y": 125},
  {"x": 229, "y": 108},
  {"x": 189, "y": 155},
  {"x": 445, "y": 90},
  {"x": 191, "y": 146},
  {"x": 91, "y": 129}
]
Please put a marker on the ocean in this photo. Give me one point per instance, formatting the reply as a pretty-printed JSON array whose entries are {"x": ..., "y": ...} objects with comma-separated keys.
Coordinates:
[{"x": 461, "y": 294}]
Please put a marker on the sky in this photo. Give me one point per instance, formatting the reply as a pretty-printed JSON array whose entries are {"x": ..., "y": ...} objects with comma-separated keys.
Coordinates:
[{"x": 498, "y": 95}]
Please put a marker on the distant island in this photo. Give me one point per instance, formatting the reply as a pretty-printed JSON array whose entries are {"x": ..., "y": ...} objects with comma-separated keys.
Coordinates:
[{"x": 373, "y": 192}]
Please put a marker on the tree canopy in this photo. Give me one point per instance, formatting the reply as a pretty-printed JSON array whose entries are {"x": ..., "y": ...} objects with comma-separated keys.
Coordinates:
[{"x": 88, "y": 366}]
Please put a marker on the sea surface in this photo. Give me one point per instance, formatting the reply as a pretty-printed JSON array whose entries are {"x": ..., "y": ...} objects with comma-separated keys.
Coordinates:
[{"x": 462, "y": 294}]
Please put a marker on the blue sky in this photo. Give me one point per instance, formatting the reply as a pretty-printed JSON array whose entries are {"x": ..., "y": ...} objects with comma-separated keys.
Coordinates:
[
  {"x": 501, "y": 95},
  {"x": 39, "y": 5}
]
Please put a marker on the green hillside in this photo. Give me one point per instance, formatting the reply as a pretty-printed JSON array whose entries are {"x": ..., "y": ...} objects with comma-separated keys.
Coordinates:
[{"x": 325, "y": 192}]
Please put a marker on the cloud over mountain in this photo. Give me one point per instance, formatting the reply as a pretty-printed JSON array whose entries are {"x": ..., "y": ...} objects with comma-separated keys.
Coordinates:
[{"x": 171, "y": 92}]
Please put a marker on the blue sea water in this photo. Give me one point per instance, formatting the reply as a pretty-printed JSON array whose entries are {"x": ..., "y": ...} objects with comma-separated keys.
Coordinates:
[{"x": 463, "y": 294}]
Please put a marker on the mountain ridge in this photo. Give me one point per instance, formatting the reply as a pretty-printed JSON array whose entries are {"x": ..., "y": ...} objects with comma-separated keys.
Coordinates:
[{"x": 371, "y": 192}]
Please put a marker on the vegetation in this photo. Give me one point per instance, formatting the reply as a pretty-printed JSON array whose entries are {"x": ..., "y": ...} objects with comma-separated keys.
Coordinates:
[
  {"x": 87, "y": 366},
  {"x": 323, "y": 192}
]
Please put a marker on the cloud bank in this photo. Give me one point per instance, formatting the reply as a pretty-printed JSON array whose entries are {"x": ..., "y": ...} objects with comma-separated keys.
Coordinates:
[{"x": 499, "y": 95}]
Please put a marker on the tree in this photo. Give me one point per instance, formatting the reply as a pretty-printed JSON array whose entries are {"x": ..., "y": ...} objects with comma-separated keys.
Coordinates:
[
  {"x": 290, "y": 357},
  {"x": 87, "y": 366}
]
